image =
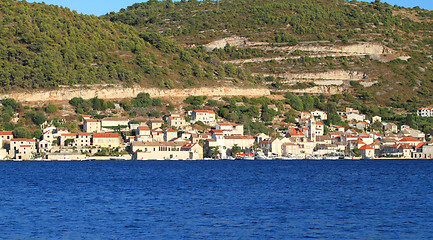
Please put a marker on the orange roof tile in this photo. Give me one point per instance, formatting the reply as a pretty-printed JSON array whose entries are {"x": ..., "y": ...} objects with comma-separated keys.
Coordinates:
[
  {"x": 105, "y": 135},
  {"x": 365, "y": 147}
]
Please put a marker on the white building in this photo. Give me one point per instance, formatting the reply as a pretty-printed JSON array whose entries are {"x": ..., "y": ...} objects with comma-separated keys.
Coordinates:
[
  {"x": 205, "y": 116},
  {"x": 230, "y": 128},
  {"x": 425, "y": 112},
  {"x": 320, "y": 114}
]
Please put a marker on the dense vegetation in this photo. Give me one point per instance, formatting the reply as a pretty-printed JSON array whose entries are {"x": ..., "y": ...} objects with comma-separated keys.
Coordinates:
[
  {"x": 44, "y": 46},
  {"x": 284, "y": 23},
  {"x": 206, "y": 19}
]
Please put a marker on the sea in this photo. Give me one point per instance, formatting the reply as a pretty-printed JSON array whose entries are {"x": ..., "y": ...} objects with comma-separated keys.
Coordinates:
[{"x": 343, "y": 199}]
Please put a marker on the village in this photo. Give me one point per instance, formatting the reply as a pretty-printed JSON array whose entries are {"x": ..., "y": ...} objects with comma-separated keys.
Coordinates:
[{"x": 174, "y": 137}]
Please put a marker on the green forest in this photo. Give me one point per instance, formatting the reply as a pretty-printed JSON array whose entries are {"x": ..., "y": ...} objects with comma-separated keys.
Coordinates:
[
  {"x": 160, "y": 44},
  {"x": 45, "y": 46}
]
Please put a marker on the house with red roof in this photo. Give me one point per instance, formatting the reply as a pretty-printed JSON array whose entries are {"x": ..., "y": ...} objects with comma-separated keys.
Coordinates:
[
  {"x": 176, "y": 121},
  {"x": 425, "y": 112},
  {"x": 143, "y": 130},
  {"x": 106, "y": 140},
  {"x": 409, "y": 140},
  {"x": 366, "y": 152},
  {"x": 172, "y": 150},
  {"x": 6, "y": 136},
  {"x": 157, "y": 135},
  {"x": 169, "y": 134},
  {"x": 406, "y": 150},
  {"x": 22, "y": 148}
]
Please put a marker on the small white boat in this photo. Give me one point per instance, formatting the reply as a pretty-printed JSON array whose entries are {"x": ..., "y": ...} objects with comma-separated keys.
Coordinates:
[
  {"x": 314, "y": 158},
  {"x": 118, "y": 158},
  {"x": 289, "y": 158},
  {"x": 262, "y": 157},
  {"x": 331, "y": 157}
]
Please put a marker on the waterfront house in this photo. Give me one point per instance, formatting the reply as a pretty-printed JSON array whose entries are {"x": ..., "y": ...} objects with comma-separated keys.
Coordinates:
[
  {"x": 65, "y": 156},
  {"x": 273, "y": 146},
  {"x": 44, "y": 146},
  {"x": 22, "y": 148},
  {"x": 173, "y": 150},
  {"x": 423, "y": 151},
  {"x": 366, "y": 151},
  {"x": 75, "y": 139},
  {"x": 106, "y": 140}
]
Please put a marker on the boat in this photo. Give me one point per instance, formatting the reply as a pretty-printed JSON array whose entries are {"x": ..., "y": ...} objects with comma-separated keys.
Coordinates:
[
  {"x": 261, "y": 156},
  {"x": 118, "y": 158},
  {"x": 331, "y": 157},
  {"x": 289, "y": 158},
  {"x": 313, "y": 157}
]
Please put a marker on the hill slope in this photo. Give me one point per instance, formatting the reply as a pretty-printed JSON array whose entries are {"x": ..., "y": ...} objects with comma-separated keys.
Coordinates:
[
  {"x": 44, "y": 46},
  {"x": 390, "y": 47}
]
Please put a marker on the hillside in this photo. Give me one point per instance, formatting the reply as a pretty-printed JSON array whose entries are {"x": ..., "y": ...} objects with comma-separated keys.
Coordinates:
[
  {"x": 377, "y": 52},
  {"x": 44, "y": 46}
]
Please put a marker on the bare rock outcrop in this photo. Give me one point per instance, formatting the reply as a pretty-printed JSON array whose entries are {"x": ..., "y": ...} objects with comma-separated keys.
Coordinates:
[{"x": 118, "y": 92}]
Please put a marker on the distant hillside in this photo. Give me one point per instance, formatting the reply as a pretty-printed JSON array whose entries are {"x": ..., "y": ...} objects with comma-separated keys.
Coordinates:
[
  {"x": 43, "y": 46},
  {"x": 390, "y": 47}
]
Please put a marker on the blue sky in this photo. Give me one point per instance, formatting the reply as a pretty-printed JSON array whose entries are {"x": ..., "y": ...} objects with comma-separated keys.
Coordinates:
[{"x": 100, "y": 7}]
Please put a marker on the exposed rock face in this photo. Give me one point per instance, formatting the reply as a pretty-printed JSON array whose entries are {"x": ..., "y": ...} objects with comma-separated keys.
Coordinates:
[
  {"x": 232, "y": 41},
  {"x": 328, "y": 90},
  {"x": 117, "y": 92},
  {"x": 330, "y": 75}
]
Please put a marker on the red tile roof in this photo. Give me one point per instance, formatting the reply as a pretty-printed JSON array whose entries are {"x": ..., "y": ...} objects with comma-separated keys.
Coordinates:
[
  {"x": 420, "y": 145},
  {"x": 91, "y": 120},
  {"x": 5, "y": 133},
  {"x": 68, "y": 134},
  {"x": 205, "y": 111},
  {"x": 365, "y": 147},
  {"x": 408, "y": 139},
  {"x": 170, "y": 130},
  {"x": 188, "y": 146},
  {"x": 105, "y": 135},
  {"x": 22, "y": 140}
]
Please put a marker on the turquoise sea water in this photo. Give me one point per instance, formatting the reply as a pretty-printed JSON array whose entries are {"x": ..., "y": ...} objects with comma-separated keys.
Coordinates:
[{"x": 389, "y": 199}]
